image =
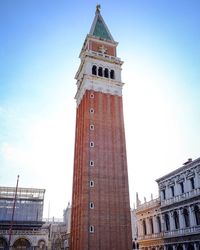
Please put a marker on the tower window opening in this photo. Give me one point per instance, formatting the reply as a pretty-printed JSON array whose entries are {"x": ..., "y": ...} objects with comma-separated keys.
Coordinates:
[
  {"x": 91, "y": 183},
  {"x": 106, "y": 73},
  {"x": 91, "y": 127},
  {"x": 112, "y": 74},
  {"x": 91, "y": 205},
  {"x": 91, "y": 229},
  {"x": 91, "y": 163},
  {"x": 94, "y": 70},
  {"x": 91, "y": 144},
  {"x": 91, "y": 95},
  {"x": 100, "y": 71},
  {"x": 92, "y": 111}
]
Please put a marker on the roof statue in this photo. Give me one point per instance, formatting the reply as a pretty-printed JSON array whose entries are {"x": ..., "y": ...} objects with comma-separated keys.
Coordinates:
[{"x": 98, "y": 8}]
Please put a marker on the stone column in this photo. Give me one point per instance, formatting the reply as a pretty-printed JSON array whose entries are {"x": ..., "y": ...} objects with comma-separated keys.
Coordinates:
[
  {"x": 181, "y": 218},
  {"x": 171, "y": 219},
  {"x": 155, "y": 224},
  {"x": 192, "y": 216}
]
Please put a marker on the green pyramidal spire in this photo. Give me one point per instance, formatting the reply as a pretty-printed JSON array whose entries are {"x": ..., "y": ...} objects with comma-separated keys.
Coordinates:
[{"x": 99, "y": 28}]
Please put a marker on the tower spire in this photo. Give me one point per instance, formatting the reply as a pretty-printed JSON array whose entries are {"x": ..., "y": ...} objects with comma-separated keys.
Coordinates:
[{"x": 99, "y": 28}]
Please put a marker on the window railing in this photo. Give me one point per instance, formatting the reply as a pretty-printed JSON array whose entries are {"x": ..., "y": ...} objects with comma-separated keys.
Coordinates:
[
  {"x": 181, "y": 197},
  {"x": 182, "y": 231},
  {"x": 90, "y": 52}
]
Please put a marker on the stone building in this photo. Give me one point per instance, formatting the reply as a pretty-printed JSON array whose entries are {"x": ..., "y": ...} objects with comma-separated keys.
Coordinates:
[
  {"x": 27, "y": 225},
  {"x": 172, "y": 221},
  {"x": 100, "y": 202}
]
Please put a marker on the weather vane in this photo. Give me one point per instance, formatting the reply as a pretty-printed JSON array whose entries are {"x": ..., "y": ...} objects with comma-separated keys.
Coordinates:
[{"x": 98, "y": 7}]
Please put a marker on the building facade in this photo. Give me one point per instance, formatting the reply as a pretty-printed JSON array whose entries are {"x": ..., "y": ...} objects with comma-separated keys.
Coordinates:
[
  {"x": 172, "y": 221},
  {"x": 27, "y": 226},
  {"x": 100, "y": 202}
]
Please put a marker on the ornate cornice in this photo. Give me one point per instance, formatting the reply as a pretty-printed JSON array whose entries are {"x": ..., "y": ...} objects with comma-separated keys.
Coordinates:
[{"x": 102, "y": 85}]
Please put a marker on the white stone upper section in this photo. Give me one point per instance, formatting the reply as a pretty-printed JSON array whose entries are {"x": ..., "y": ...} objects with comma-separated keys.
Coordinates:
[{"x": 86, "y": 80}]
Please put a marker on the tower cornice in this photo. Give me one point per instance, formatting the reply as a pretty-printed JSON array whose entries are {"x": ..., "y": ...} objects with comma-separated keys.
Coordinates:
[{"x": 98, "y": 84}]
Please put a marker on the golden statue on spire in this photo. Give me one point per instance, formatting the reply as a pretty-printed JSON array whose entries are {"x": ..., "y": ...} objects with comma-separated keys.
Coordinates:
[{"x": 98, "y": 8}]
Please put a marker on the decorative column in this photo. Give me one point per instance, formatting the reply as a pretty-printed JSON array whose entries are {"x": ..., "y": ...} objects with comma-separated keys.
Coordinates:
[
  {"x": 192, "y": 216},
  {"x": 155, "y": 225},
  {"x": 171, "y": 219},
  {"x": 181, "y": 218}
]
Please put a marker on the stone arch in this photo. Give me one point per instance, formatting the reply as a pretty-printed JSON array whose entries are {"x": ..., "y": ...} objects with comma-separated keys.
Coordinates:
[
  {"x": 3, "y": 244},
  {"x": 22, "y": 243}
]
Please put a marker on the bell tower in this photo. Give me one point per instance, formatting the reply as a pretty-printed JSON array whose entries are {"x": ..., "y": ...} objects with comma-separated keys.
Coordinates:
[{"x": 100, "y": 201}]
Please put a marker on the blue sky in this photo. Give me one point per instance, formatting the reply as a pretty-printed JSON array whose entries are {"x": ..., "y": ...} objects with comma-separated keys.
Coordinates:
[{"x": 159, "y": 42}]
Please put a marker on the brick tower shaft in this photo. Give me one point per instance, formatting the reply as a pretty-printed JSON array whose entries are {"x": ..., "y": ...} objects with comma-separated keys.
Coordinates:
[{"x": 100, "y": 202}]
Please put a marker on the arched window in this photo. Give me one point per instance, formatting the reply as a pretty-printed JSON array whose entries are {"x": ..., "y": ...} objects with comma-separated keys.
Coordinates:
[
  {"x": 167, "y": 224},
  {"x": 100, "y": 71},
  {"x": 159, "y": 224},
  {"x": 94, "y": 70},
  {"x": 151, "y": 225},
  {"x": 144, "y": 227},
  {"x": 22, "y": 244},
  {"x": 197, "y": 214},
  {"x": 176, "y": 220},
  {"x": 112, "y": 74},
  {"x": 106, "y": 73},
  {"x": 186, "y": 217}
]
